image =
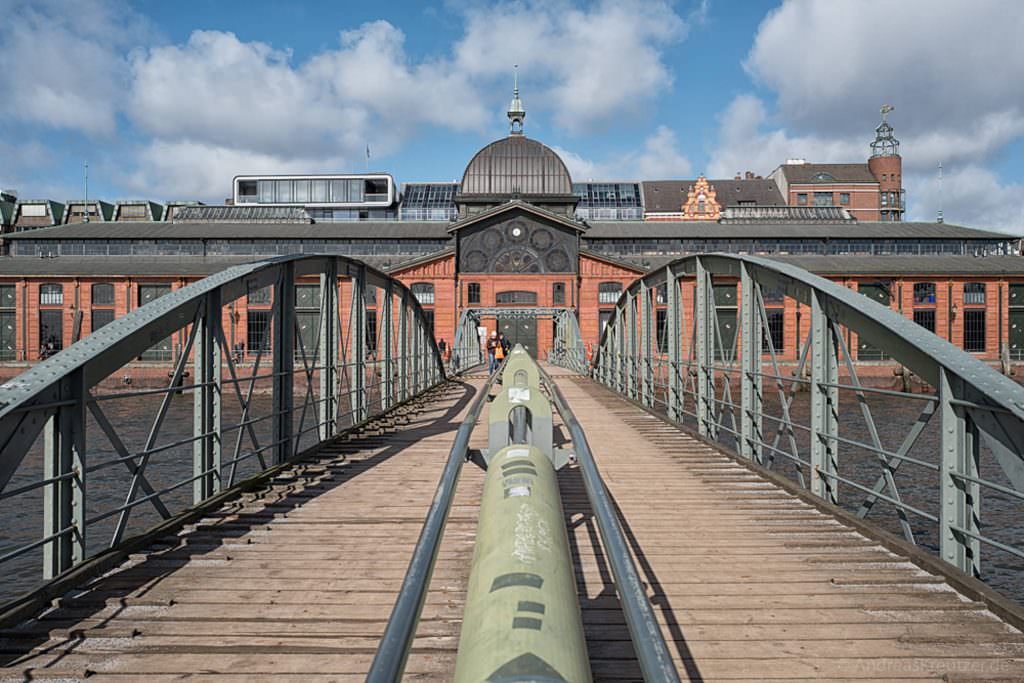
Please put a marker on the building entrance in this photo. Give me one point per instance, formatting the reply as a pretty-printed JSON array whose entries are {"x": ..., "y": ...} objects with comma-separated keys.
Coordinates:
[{"x": 520, "y": 330}]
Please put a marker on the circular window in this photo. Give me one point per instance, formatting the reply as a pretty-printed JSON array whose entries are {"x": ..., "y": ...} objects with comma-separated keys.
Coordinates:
[
  {"x": 476, "y": 261},
  {"x": 557, "y": 262},
  {"x": 492, "y": 240},
  {"x": 541, "y": 239}
]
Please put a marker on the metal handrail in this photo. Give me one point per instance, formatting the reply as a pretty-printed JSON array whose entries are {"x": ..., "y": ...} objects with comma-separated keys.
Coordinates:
[{"x": 389, "y": 662}]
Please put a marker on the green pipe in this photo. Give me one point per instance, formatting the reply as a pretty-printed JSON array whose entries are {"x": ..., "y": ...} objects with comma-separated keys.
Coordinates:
[{"x": 522, "y": 619}]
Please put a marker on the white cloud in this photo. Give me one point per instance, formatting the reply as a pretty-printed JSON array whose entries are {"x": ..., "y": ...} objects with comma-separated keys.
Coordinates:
[
  {"x": 63, "y": 68},
  {"x": 968, "y": 195},
  {"x": 660, "y": 158},
  {"x": 177, "y": 170},
  {"x": 592, "y": 63}
]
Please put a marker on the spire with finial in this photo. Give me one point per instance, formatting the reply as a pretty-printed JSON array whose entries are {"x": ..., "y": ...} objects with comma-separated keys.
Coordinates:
[{"x": 516, "y": 113}]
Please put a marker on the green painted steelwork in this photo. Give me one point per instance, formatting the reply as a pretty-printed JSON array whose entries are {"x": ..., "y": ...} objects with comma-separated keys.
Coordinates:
[{"x": 522, "y": 619}]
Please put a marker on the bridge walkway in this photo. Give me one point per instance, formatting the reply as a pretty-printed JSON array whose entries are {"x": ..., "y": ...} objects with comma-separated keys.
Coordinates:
[
  {"x": 749, "y": 582},
  {"x": 293, "y": 583},
  {"x": 752, "y": 584}
]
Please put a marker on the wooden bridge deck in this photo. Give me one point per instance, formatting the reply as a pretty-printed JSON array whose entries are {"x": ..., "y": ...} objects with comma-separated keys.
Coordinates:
[{"x": 749, "y": 582}]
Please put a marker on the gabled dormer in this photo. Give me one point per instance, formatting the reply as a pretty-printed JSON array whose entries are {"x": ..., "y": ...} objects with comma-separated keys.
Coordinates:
[
  {"x": 37, "y": 213},
  {"x": 87, "y": 211},
  {"x": 138, "y": 211}
]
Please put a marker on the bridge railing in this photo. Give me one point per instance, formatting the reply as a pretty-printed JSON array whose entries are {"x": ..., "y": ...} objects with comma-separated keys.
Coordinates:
[
  {"x": 89, "y": 459},
  {"x": 771, "y": 373}
]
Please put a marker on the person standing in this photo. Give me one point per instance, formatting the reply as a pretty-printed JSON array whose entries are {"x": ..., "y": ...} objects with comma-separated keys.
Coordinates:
[{"x": 492, "y": 347}]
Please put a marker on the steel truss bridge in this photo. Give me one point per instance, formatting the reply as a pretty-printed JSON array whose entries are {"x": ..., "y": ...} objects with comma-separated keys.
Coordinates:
[{"x": 329, "y": 510}]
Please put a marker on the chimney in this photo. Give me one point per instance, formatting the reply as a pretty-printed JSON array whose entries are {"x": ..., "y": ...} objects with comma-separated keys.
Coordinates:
[
  {"x": 737, "y": 176},
  {"x": 749, "y": 175}
]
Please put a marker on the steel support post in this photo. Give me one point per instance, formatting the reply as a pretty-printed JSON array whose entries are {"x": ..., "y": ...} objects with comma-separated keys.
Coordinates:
[
  {"x": 751, "y": 333},
  {"x": 646, "y": 350},
  {"x": 632, "y": 347},
  {"x": 620, "y": 353},
  {"x": 824, "y": 404},
  {"x": 417, "y": 345},
  {"x": 403, "y": 346},
  {"x": 958, "y": 499},
  {"x": 387, "y": 386},
  {"x": 673, "y": 325},
  {"x": 327, "y": 353},
  {"x": 284, "y": 362},
  {"x": 206, "y": 401},
  {"x": 64, "y": 500},
  {"x": 357, "y": 344},
  {"x": 705, "y": 352}
]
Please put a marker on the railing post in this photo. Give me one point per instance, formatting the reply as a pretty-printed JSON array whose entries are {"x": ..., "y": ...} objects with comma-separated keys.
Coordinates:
[
  {"x": 704, "y": 355},
  {"x": 64, "y": 500},
  {"x": 958, "y": 498},
  {"x": 357, "y": 341},
  {"x": 632, "y": 347},
  {"x": 824, "y": 404},
  {"x": 387, "y": 386},
  {"x": 673, "y": 323},
  {"x": 403, "y": 346},
  {"x": 206, "y": 401},
  {"x": 646, "y": 352},
  {"x": 327, "y": 355},
  {"x": 284, "y": 362},
  {"x": 751, "y": 332}
]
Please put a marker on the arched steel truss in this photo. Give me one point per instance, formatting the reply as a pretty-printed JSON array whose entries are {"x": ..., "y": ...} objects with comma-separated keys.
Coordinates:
[
  {"x": 350, "y": 371},
  {"x": 980, "y": 412}
]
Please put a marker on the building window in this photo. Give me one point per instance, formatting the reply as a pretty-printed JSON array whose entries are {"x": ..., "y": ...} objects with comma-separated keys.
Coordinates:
[
  {"x": 424, "y": 293},
  {"x": 974, "y": 330},
  {"x": 516, "y": 297},
  {"x": 8, "y": 329},
  {"x": 558, "y": 294},
  {"x": 473, "y": 293},
  {"x": 605, "y": 318},
  {"x": 101, "y": 317},
  {"x": 51, "y": 332},
  {"x": 371, "y": 331},
  {"x": 775, "y": 331},
  {"x": 148, "y": 293},
  {"x": 844, "y": 198},
  {"x": 51, "y": 295},
  {"x": 134, "y": 211},
  {"x": 823, "y": 199},
  {"x": 103, "y": 294},
  {"x": 925, "y": 318},
  {"x": 974, "y": 294},
  {"x": 428, "y": 315},
  {"x": 258, "y": 297},
  {"x": 258, "y": 331},
  {"x": 661, "y": 329},
  {"x": 924, "y": 293},
  {"x": 801, "y": 199},
  {"x": 608, "y": 292},
  {"x": 307, "y": 296}
]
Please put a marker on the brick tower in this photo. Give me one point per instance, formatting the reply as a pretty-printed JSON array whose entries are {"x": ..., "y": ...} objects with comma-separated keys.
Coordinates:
[{"x": 887, "y": 167}]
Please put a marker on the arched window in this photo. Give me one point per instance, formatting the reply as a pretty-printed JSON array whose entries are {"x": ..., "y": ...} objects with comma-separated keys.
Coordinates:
[
  {"x": 515, "y": 297},
  {"x": 51, "y": 295},
  {"x": 608, "y": 292},
  {"x": 103, "y": 294},
  {"x": 424, "y": 293}
]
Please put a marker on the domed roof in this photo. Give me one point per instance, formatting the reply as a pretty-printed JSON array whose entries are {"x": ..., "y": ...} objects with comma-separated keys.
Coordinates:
[{"x": 516, "y": 165}]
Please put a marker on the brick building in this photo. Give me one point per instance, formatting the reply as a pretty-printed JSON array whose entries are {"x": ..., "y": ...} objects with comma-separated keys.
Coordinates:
[{"x": 514, "y": 232}]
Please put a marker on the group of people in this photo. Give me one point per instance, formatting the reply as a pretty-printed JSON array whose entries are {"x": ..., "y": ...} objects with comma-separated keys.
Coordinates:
[{"x": 497, "y": 349}]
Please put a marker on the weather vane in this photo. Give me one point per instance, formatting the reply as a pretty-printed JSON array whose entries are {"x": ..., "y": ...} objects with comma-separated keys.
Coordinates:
[{"x": 886, "y": 108}]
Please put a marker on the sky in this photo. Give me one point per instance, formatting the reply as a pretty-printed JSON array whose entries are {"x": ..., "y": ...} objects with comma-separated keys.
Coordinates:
[{"x": 169, "y": 101}]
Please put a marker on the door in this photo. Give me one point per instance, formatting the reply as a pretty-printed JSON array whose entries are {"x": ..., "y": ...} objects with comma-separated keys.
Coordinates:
[
  {"x": 1017, "y": 334},
  {"x": 520, "y": 331}
]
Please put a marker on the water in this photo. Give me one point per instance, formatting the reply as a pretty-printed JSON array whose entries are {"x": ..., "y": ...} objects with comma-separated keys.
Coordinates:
[{"x": 133, "y": 417}]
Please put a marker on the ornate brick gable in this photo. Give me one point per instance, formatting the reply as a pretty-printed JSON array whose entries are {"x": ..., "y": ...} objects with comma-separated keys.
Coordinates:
[{"x": 701, "y": 203}]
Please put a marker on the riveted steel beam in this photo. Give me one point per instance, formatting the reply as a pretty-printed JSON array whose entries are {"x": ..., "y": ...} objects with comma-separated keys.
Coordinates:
[
  {"x": 206, "y": 399},
  {"x": 824, "y": 404},
  {"x": 751, "y": 333},
  {"x": 64, "y": 462},
  {"x": 283, "y": 350}
]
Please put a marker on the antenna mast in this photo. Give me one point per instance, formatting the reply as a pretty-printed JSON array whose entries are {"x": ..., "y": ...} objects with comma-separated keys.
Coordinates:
[
  {"x": 940, "y": 219},
  {"x": 86, "y": 207}
]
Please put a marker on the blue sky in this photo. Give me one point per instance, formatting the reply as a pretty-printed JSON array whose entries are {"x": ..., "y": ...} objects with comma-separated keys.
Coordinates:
[{"x": 169, "y": 100}]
